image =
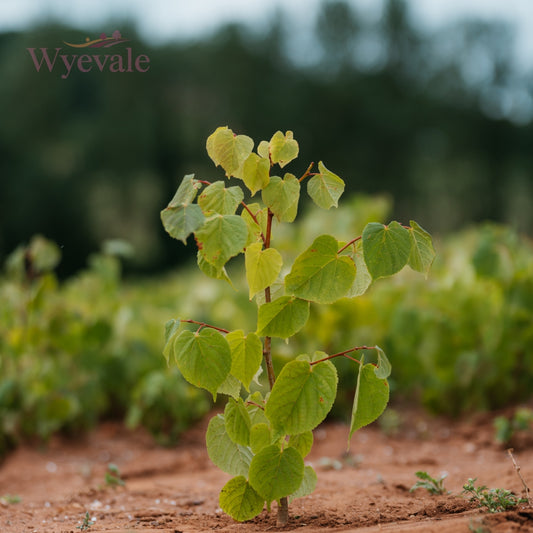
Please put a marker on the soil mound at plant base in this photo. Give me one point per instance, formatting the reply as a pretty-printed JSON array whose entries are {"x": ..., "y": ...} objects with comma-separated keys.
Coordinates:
[{"x": 176, "y": 490}]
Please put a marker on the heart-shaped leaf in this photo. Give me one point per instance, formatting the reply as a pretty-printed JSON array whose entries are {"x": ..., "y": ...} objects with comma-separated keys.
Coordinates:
[
  {"x": 302, "y": 396},
  {"x": 386, "y": 249},
  {"x": 228, "y": 150},
  {"x": 239, "y": 500},
  {"x": 325, "y": 188},
  {"x": 255, "y": 172},
  {"x": 282, "y": 196},
  {"x": 204, "y": 358},
  {"x": 319, "y": 274},
  {"x": 221, "y": 238},
  {"x": 275, "y": 473},
  {"x": 283, "y": 148}
]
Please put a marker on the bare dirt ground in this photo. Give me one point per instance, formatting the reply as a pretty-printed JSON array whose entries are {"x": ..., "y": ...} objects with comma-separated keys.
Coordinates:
[{"x": 176, "y": 490}]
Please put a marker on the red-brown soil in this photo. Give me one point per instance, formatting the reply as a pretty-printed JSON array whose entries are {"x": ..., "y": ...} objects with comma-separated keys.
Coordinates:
[{"x": 176, "y": 490}]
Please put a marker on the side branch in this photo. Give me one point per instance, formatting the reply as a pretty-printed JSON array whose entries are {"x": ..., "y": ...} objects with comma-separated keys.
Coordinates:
[
  {"x": 204, "y": 325},
  {"x": 262, "y": 407},
  {"x": 307, "y": 172},
  {"x": 345, "y": 354},
  {"x": 349, "y": 244},
  {"x": 254, "y": 218}
]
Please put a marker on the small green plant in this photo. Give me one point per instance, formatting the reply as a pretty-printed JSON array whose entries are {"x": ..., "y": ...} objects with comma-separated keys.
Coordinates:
[
  {"x": 87, "y": 522},
  {"x": 112, "y": 476},
  {"x": 495, "y": 500},
  {"x": 10, "y": 499},
  {"x": 478, "y": 528},
  {"x": 262, "y": 437},
  {"x": 432, "y": 485},
  {"x": 506, "y": 427}
]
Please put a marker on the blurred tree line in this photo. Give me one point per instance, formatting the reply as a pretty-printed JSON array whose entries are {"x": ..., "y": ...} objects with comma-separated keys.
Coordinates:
[{"x": 441, "y": 122}]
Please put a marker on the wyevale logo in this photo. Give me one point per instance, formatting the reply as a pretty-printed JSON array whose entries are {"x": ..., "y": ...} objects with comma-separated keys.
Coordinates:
[{"x": 66, "y": 63}]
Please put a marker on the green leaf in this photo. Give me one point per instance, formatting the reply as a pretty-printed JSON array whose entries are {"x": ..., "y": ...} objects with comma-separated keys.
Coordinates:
[
  {"x": 204, "y": 358},
  {"x": 246, "y": 355},
  {"x": 283, "y": 148},
  {"x": 255, "y": 172},
  {"x": 275, "y": 473},
  {"x": 181, "y": 220},
  {"x": 210, "y": 270},
  {"x": 303, "y": 442},
  {"x": 308, "y": 484},
  {"x": 231, "y": 458},
  {"x": 237, "y": 422},
  {"x": 171, "y": 329},
  {"x": 283, "y": 317},
  {"x": 239, "y": 500},
  {"x": 221, "y": 238},
  {"x": 363, "y": 279},
  {"x": 228, "y": 150},
  {"x": 384, "y": 367},
  {"x": 187, "y": 191},
  {"x": 262, "y": 267},
  {"x": 282, "y": 196},
  {"x": 260, "y": 437},
  {"x": 302, "y": 396},
  {"x": 319, "y": 274},
  {"x": 386, "y": 248},
  {"x": 218, "y": 199},
  {"x": 325, "y": 188},
  {"x": 422, "y": 251},
  {"x": 371, "y": 397}
]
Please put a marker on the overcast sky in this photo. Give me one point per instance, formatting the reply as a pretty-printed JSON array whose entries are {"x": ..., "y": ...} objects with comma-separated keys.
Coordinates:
[{"x": 162, "y": 20}]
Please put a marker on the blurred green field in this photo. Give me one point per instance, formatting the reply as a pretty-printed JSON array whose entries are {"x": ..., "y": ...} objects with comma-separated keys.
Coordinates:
[{"x": 88, "y": 349}]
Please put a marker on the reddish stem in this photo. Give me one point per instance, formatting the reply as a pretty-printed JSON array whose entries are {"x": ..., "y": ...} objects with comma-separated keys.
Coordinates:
[
  {"x": 267, "y": 351},
  {"x": 344, "y": 354},
  {"x": 349, "y": 244},
  {"x": 204, "y": 325},
  {"x": 283, "y": 509},
  {"x": 256, "y": 404},
  {"x": 307, "y": 172},
  {"x": 269, "y": 228}
]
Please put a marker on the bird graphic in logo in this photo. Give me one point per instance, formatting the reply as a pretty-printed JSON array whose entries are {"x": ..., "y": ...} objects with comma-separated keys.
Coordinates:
[{"x": 102, "y": 42}]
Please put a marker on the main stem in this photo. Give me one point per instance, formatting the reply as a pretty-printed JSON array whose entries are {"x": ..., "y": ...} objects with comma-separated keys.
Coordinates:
[
  {"x": 267, "y": 351},
  {"x": 283, "y": 509}
]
